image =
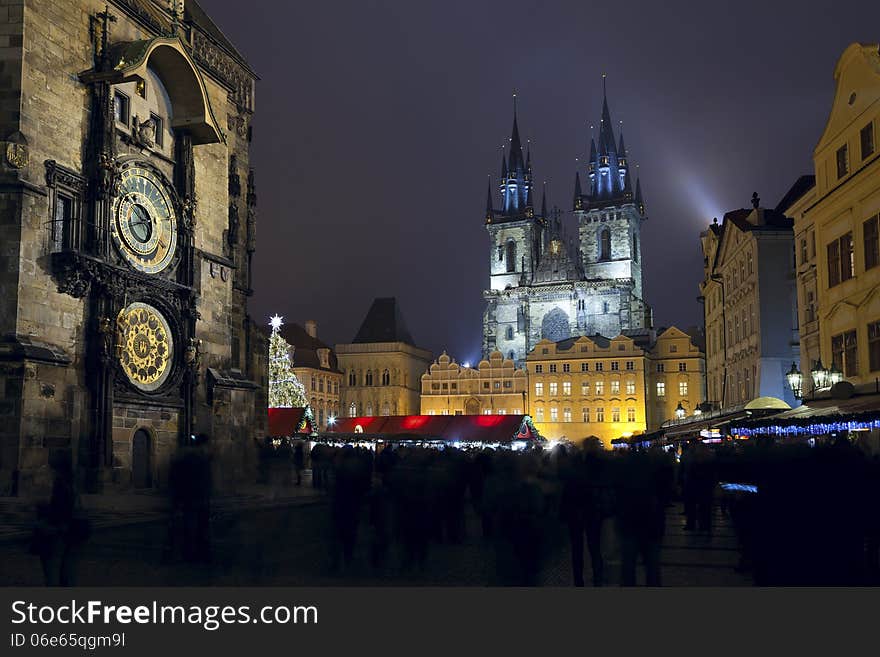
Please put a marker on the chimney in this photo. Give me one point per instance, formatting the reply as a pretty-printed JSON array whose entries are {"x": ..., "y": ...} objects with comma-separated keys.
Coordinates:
[{"x": 312, "y": 328}]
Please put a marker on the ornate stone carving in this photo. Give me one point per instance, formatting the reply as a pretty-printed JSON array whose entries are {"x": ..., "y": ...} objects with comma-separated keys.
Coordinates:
[
  {"x": 234, "y": 178},
  {"x": 225, "y": 68},
  {"x": 144, "y": 132}
]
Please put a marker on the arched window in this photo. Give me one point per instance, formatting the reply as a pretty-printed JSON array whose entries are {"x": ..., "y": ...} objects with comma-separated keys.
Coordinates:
[
  {"x": 352, "y": 378},
  {"x": 369, "y": 411},
  {"x": 511, "y": 355},
  {"x": 386, "y": 378},
  {"x": 386, "y": 409},
  {"x": 605, "y": 307},
  {"x": 635, "y": 247},
  {"x": 368, "y": 380},
  {"x": 605, "y": 244},
  {"x": 510, "y": 333},
  {"x": 511, "y": 256},
  {"x": 352, "y": 410}
]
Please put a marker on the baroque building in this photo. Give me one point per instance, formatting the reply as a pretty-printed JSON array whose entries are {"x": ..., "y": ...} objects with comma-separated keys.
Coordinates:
[
  {"x": 750, "y": 306},
  {"x": 382, "y": 367},
  {"x": 494, "y": 387},
  {"x": 128, "y": 223},
  {"x": 612, "y": 388},
  {"x": 316, "y": 366},
  {"x": 553, "y": 281},
  {"x": 836, "y": 213}
]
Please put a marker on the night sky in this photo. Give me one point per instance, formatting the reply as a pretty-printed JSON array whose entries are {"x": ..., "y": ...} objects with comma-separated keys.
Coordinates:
[{"x": 378, "y": 122}]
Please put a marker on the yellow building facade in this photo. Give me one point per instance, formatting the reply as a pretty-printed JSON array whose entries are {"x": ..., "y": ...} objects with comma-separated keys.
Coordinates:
[
  {"x": 676, "y": 377},
  {"x": 494, "y": 387},
  {"x": 837, "y": 229}
]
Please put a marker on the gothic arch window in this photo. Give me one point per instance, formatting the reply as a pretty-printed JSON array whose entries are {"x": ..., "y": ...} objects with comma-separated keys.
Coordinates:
[
  {"x": 386, "y": 409},
  {"x": 386, "y": 378},
  {"x": 500, "y": 253},
  {"x": 510, "y": 333},
  {"x": 555, "y": 326},
  {"x": 511, "y": 256},
  {"x": 369, "y": 411},
  {"x": 368, "y": 380},
  {"x": 352, "y": 378},
  {"x": 605, "y": 244},
  {"x": 605, "y": 307},
  {"x": 352, "y": 410},
  {"x": 635, "y": 247}
]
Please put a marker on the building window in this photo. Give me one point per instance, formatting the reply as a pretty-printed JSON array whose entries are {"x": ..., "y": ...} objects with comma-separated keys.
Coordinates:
[
  {"x": 435, "y": 386},
  {"x": 386, "y": 378},
  {"x": 160, "y": 129},
  {"x": 600, "y": 388},
  {"x": 682, "y": 367},
  {"x": 804, "y": 256},
  {"x": 682, "y": 388},
  {"x": 510, "y": 333},
  {"x": 314, "y": 382},
  {"x": 566, "y": 367},
  {"x": 840, "y": 260},
  {"x": 566, "y": 387},
  {"x": 321, "y": 385},
  {"x": 507, "y": 384},
  {"x": 369, "y": 410},
  {"x": 661, "y": 389},
  {"x": 511, "y": 355},
  {"x": 566, "y": 415},
  {"x": 553, "y": 368},
  {"x": 630, "y": 387},
  {"x": 661, "y": 367},
  {"x": 635, "y": 247},
  {"x": 352, "y": 378},
  {"x": 585, "y": 388},
  {"x": 352, "y": 410},
  {"x": 554, "y": 414},
  {"x": 866, "y": 139},
  {"x": 539, "y": 369},
  {"x": 600, "y": 367},
  {"x": 539, "y": 414},
  {"x": 844, "y": 353},
  {"x": 615, "y": 414},
  {"x": 585, "y": 414},
  {"x": 605, "y": 245},
  {"x": 630, "y": 414},
  {"x": 874, "y": 346},
  {"x": 497, "y": 385},
  {"x": 511, "y": 256},
  {"x": 368, "y": 380},
  {"x": 872, "y": 242},
  {"x": 615, "y": 387},
  {"x": 673, "y": 349},
  {"x": 615, "y": 365},
  {"x": 501, "y": 411},
  {"x": 539, "y": 389},
  {"x": 605, "y": 307},
  {"x": 120, "y": 108},
  {"x": 842, "y": 164},
  {"x": 585, "y": 367},
  {"x": 485, "y": 385},
  {"x": 386, "y": 409},
  {"x": 553, "y": 388},
  {"x": 630, "y": 365},
  {"x": 600, "y": 415}
]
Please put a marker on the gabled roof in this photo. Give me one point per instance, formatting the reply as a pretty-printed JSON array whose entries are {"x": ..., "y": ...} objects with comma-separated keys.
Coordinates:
[
  {"x": 383, "y": 323},
  {"x": 305, "y": 353}
]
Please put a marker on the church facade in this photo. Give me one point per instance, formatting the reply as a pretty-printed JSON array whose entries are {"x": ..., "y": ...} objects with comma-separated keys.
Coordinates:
[
  {"x": 127, "y": 218},
  {"x": 551, "y": 277}
]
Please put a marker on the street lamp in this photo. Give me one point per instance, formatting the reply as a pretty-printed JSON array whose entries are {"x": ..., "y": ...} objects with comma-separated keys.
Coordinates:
[
  {"x": 680, "y": 412},
  {"x": 821, "y": 376},
  {"x": 836, "y": 375},
  {"x": 795, "y": 381}
]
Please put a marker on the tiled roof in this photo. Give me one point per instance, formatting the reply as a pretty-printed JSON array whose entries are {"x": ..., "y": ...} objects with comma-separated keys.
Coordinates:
[{"x": 384, "y": 323}]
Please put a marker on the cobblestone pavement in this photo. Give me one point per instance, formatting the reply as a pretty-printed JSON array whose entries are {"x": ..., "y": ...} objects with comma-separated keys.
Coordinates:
[{"x": 287, "y": 545}]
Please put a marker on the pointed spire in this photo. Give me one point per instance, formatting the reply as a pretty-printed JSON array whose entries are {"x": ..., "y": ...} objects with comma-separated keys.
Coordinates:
[
  {"x": 516, "y": 155},
  {"x": 503, "y": 165},
  {"x": 593, "y": 157},
  {"x": 578, "y": 203},
  {"x": 606, "y": 130},
  {"x": 621, "y": 149}
]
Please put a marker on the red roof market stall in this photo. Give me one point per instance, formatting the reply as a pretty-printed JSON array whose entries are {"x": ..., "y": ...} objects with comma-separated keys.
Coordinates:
[
  {"x": 502, "y": 430},
  {"x": 291, "y": 422}
]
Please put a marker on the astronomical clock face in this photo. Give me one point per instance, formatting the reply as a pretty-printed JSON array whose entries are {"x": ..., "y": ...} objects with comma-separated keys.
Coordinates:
[
  {"x": 144, "y": 224},
  {"x": 146, "y": 346}
]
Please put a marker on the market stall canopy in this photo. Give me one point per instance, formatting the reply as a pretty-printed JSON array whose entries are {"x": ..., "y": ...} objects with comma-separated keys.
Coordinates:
[
  {"x": 817, "y": 417},
  {"x": 290, "y": 422},
  {"x": 491, "y": 429}
]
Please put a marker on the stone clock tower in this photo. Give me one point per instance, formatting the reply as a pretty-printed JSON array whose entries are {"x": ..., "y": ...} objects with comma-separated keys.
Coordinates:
[{"x": 128, "y": 237}]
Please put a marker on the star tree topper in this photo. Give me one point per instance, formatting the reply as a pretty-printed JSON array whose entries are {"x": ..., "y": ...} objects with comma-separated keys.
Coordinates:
[{"x": 276, "y": 322}]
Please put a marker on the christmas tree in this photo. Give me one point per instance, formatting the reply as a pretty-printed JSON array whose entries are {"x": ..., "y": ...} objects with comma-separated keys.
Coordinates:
[{"x": 285, "y": 390}]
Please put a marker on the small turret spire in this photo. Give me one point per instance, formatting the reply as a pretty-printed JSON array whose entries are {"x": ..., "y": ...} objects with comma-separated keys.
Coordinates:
[
  {"x": 490, "y": 211},
  {"x": 578, "y": 202}
]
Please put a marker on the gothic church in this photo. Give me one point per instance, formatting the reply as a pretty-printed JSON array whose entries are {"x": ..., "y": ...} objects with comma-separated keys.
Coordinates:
[{"x": 547, "y": 285}]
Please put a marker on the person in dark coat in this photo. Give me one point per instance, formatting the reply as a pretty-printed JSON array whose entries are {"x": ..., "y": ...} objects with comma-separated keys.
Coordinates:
[{"x": 299, "y": 461}]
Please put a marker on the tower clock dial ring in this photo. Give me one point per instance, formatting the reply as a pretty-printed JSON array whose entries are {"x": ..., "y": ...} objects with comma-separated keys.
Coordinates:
[
  {"x": 146, "y": 346},
  {"x": 144, "y": 224}
]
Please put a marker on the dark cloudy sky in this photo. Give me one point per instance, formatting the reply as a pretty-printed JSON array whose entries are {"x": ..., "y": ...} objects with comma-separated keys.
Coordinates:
[{"x": 378, "y": 121}]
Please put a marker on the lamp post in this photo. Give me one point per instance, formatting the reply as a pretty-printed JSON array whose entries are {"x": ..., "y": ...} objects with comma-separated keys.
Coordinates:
[
  {"x": 795, "y": 381},
  {"x": 820, "y": 375},
  {"x": 680, "y": 412}
]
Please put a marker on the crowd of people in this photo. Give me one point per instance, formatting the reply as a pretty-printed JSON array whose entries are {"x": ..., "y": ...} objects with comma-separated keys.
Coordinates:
[{"x": 802, "y": 515}]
